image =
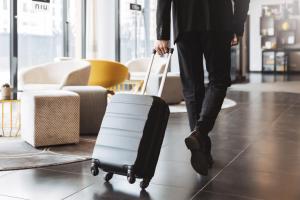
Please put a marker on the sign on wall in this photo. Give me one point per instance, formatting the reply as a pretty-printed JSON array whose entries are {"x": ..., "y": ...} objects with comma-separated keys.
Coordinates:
[
  {"x": 135, "y": 7},
  {"x": 42, "y": 5},
  {"x": 44, "y": 1}
]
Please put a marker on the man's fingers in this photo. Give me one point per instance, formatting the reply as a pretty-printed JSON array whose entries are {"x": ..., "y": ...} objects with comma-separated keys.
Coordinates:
[
  {"x": 159, "y": 51},
  {"x": 162, "y": 47},
  {"x": 235, "y": 41},
  {"x": 166, "y": 50}
]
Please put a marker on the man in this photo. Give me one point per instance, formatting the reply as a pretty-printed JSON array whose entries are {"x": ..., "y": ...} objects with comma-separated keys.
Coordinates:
[{"x": 202, "y": 28}]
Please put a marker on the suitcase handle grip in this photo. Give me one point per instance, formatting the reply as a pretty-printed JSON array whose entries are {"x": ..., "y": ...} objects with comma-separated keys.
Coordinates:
[
  {"x": 171, "y": 50},
  {"x": 165, "y": 73}
]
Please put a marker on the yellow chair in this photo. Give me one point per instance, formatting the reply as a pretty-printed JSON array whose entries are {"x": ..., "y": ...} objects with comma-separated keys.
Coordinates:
[{"x": 107, "y": 74}]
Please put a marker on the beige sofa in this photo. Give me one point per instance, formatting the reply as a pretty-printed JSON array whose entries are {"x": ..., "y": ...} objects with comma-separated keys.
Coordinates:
[
  {"x": 55, "y": 75},
  {"x": 70, "y": 75}
]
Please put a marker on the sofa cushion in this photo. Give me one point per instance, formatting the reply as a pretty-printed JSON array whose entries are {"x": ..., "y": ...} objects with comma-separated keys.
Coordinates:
[{"x": 34, "y": 87}]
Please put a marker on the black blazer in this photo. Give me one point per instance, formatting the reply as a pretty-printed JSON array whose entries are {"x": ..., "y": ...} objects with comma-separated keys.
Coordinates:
[{"x": 199, "y": 15}]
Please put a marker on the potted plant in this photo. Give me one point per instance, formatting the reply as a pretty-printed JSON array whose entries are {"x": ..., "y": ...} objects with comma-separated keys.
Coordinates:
[{"x": 6, "y": 92}]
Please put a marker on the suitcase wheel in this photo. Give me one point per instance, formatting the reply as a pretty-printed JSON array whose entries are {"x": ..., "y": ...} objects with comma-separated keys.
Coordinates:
[
  {"x": 144, "y": 183},
  {"x": 108, "y": 176},
  {"x": 131, "y": 179},
  {"x": 130, "y": 175},
  {"x": 94, "y": 170}
]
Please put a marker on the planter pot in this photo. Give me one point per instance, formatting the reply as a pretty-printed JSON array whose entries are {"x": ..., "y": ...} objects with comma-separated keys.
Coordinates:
[{"x": 6, "y": 93}]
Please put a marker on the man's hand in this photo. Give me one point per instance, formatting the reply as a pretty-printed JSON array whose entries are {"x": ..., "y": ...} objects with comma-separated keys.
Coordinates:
[
  {"x": 235, "y": 40},
  {"x": 162, "y": 46}
]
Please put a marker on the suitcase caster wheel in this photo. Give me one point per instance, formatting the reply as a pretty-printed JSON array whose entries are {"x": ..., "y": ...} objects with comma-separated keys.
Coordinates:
[
  {"x": 94, "y": 170},
  {"x": 131, "y": 179},
  {"x": 108, "y": 176},
  {"x": 144, "y": 184}
]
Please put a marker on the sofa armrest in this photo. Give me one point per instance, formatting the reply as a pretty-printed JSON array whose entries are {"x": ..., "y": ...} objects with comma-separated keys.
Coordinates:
[
  {"x": 79, "y": 77},
  {"x": 33, "y": 75}
]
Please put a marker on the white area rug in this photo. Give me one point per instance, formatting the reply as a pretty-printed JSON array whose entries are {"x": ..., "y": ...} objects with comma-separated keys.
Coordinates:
[{"x": 181, "y": 108}]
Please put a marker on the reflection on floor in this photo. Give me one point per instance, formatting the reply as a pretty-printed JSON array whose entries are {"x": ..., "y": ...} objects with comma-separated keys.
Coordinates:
[
  {"x": 271, "y": 78},
  {"x": 256, "y": 147}
]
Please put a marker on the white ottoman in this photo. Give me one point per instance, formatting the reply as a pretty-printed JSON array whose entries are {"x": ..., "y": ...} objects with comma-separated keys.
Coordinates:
[{"x": 50, "y": 117}]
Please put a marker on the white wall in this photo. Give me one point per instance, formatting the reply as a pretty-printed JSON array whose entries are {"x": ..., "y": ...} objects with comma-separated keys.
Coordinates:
[
  {"x": 101, "y": 32},
  {"x": 255, "y": 38}
]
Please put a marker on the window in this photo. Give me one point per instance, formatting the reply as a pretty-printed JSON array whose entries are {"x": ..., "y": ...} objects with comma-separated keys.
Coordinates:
[
  {"x": 4, "y": 41},
  {"x": 137, "y": 29},
  {"x": 5, "y": 6},
  {"x": 43, "y": 33},
  {"x": 40, "y": 32},
  {"x": 132, "y": 30}
]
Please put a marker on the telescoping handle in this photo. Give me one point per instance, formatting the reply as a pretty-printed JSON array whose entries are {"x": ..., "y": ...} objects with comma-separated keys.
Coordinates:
[{"x": 165, "y": 73}]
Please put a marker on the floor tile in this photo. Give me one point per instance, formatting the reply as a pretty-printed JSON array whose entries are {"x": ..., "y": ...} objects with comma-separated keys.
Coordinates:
[
  {"x": 123, "y": 190},
  {"x": 275, "y": 146},
  {"x": 271, "y": 163},
  {"x": 219, "y": 196},
  {"x": 285, "y": 133},
  {"x": 2, "y": 173},
  {"x": 76, "y": 168},
  {"x": 42, "y": 184},
  {"x": 257, "y": 185},
  {"x": 262, "y": 130},
  {"x": 222, "y": 153},
  {"x": 178, "y": 174},
  {"x": 9, "y": 198}
]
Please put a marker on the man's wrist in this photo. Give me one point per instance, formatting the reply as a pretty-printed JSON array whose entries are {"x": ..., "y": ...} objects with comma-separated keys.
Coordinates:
[{"x": 163, "y": 38}]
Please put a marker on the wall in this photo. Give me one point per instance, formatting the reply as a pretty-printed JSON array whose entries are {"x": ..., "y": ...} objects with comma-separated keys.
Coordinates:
[
  {"x": 255, "y": 38},
  {"x": 101, "y": 42}
]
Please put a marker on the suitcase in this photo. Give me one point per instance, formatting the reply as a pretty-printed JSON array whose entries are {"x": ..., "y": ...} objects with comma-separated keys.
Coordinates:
[{"x": 132, "y": 133}]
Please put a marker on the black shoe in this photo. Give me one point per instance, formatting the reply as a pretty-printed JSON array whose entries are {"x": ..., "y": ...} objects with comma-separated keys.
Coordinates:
[
  {"x": 196, "y": 144},
  {"x": 210, "y": 160}
]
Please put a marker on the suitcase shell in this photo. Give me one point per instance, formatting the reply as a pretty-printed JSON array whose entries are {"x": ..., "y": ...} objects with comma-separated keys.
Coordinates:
[{"x": 132, "y": 133}]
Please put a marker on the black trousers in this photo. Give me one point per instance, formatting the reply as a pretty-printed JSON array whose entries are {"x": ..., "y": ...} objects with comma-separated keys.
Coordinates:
[{"x": 204, "y": 105}]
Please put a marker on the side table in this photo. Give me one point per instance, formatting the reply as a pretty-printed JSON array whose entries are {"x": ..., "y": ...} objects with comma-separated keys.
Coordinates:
[{"x": 10, "y": 118}]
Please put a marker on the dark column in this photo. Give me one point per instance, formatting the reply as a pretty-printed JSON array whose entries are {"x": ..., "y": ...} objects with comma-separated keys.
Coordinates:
[{"x": 14, "y": 47}]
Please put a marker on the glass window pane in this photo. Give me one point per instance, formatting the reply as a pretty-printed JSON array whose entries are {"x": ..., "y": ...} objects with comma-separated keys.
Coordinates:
[
  {"x": 4, "y": 41},
  {"x": 137, "y": 29},
  {"x": 152, "y": 22},
  {"x": 40, "y": 32},
  {"x": 132, "y": 31}
]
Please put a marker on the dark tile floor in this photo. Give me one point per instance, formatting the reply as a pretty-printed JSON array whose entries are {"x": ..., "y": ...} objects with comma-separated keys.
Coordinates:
[{"x": 256, "y": 147}]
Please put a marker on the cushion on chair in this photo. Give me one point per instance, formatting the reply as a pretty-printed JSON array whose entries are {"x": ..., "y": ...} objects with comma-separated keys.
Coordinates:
[
  {"x": 32, "y": 87},
  {"x": 107, "y": 73}
]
